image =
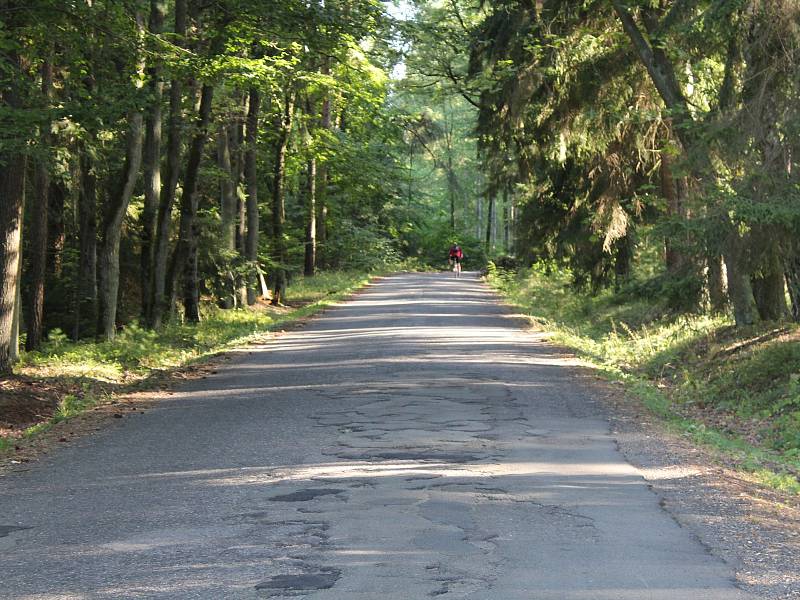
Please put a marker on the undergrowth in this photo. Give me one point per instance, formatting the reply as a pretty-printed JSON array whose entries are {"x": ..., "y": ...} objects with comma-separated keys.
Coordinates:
[{"x": 737, "y": 390}]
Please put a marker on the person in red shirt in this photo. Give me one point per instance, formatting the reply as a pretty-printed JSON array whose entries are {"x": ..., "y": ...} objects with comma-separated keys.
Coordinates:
[{"x": 456, "y": 255}]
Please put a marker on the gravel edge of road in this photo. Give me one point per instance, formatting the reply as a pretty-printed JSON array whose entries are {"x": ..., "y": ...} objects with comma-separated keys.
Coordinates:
[{"x": 754, "y": 529}]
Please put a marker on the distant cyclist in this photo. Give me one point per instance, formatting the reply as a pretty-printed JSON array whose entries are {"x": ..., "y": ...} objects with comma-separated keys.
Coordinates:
[{"x": 455, "y": 258}]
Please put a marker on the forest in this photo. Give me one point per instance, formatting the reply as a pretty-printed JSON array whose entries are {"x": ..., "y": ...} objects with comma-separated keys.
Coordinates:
[{"x": 162, "y": 158}]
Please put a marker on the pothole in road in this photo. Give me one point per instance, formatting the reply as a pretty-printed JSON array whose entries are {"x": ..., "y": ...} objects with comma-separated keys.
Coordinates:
[
  {"x": 306, "y": 495},
  {"x": 306, "y": 582},
  {"x": 422, "y": 457}
]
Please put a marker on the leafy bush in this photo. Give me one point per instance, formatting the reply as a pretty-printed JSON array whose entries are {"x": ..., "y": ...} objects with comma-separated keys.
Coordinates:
[{"x": 359, "y": 249}]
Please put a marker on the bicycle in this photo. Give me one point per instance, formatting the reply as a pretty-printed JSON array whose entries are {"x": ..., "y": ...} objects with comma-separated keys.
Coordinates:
[{"x": 456, "y": 266}]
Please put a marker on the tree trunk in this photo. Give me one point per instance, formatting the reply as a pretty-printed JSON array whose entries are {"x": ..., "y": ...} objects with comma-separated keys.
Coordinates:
[
  {"x": 506, "y": 222},
  {"x": 56, "y": 235},
  {"x": 251, "y": 184},
  {"x": 740, "y": 290},
  {"x": 623, "y": 261},
  {"x": 152, "y": 167},
  {"x": 161, "y": 299},
  {"x": 716, "y": 284},
  {"x": 512, "y": 217},
  {"x": 185, "y": 255},
  {"x": 116, "y": 207},
  {"x": 662, "y": 74},
  {"x": 227, "y": 209},
  {"x": 280, "y": 255},
  {"x": 236, "y": 143},
  {"x": 37, "y": 261},
  {"x": 37, "y": 231},
  {"x": 322, "y": 169},
  {"x": 86, "y": 284},
  {"x": 12, "y": 192},
  {"x": 793, "y": 284},
  {"x": 16, "y": 324},
  {"x": 490, "y": 219},
  {"x": 311, "y": 225},
  {"x": 479, "y": 216},
  {"x": 769, "y": 290},
  {"x": 111, "y": 231},
  {"x": 674, "y": 258},
  {"x": 451, "y": 188}
]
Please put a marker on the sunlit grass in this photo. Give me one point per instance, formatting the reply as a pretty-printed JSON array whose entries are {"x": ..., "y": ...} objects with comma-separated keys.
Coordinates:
[
  {"x": 137, "y": 352},
  {"x": 744, "y": 383}
]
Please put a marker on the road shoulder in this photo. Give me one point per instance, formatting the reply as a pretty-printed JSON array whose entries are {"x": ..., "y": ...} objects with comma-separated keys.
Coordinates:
[{"x": 754, "y": 529}]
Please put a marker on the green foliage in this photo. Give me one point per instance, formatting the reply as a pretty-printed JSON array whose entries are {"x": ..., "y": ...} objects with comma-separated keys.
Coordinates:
[{"x": 360, "y": 249}]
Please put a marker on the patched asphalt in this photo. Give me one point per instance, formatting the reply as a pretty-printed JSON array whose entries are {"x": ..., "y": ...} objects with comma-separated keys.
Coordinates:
[{"x": 414, "y": 442}]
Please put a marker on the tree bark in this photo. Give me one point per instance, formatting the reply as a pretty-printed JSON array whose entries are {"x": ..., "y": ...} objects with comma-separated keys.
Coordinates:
[
  {"x": 280, "y": 255},
  {"x": 490, "y": 219},
  {"x": 623, "y": 261},
  {"x": 228, "y": 210},
  {"x": 37, "y": 231},
  {"x": 251, "y": 186},
  {"x": 111, "y": 231},
  {"x": 152, "y": 166},
  {"x": 12, "y": 192},
  {"x": 716, "y": 284},
  {"x": 311, "y": 224},
  {"x": 56, "y": 235},
  {"x": 740, "y": 289},
  {"x": 769, "y": 290},
  {"x": 506, "y": 222},
  {"x": 451, "y": 188},
  {"x": 162, "y": 298},
  {"x": 185, "y": 255},
  {"x": 16, "y": 324},
  {"x": 236, "y": 143},
  {"x": 670, "y": 190},
  {"x": 793, "y": 284},
  {"x": 116, "y": 207},
  {"x": 86, "y": 284},
  {"x": 479, "y": 216},
  {"x": 662, "y": 74},
  {"x": 323, "y": 173},
  {"x": 310, "y": 246}
]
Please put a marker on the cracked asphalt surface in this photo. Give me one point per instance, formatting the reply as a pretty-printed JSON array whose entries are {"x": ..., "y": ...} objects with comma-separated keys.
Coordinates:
[{"x": 413, "y": 443}]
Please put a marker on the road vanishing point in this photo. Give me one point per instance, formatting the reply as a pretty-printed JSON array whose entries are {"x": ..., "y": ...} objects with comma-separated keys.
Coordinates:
[{"x": 415, "y": 442}]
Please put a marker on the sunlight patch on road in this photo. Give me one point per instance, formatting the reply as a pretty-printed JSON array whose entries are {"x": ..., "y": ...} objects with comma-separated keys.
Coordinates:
[{"x": 364, "y": 470}]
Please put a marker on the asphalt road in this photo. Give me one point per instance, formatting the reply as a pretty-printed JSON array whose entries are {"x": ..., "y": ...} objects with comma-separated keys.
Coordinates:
[{"x": 412, "y": 443}]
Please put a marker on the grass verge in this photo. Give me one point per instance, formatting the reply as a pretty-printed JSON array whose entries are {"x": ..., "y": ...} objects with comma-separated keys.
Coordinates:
[
  {"x": 66, "y": 378},
  {"x": 731, "y": 389}
]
